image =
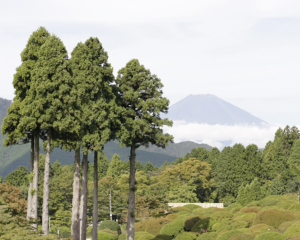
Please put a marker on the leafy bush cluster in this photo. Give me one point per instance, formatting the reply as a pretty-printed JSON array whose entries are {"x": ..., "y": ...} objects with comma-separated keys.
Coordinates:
[{"x": 273, "y": 217}]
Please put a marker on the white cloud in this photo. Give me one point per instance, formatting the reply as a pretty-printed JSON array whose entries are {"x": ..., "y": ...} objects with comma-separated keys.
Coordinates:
[{"x": 221, "y": 135}]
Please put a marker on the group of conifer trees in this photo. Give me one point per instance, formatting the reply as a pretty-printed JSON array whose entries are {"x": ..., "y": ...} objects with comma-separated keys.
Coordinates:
[{"x": 77, "y": 104}]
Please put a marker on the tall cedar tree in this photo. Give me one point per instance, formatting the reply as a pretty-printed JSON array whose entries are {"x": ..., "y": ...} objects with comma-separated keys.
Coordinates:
[
  {"x": 48, "y": 106},
  {"x": 93, "y": 78},
  {"x": 22, "y": 83},
  {"x": 140, "y": 95}
]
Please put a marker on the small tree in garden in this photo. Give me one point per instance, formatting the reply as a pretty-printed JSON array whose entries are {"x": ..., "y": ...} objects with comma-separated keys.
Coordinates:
[{"x": 140, "y": 95}]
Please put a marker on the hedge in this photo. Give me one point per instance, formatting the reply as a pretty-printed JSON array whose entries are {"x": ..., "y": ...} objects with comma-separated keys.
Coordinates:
[
  {"x": 272, "y": 217},
  {"x": 112, "y": 225},
  {"x": 293, "y": 230},
  {"x": 270, "y": 236},
  {"x": 186, "y": 236}
]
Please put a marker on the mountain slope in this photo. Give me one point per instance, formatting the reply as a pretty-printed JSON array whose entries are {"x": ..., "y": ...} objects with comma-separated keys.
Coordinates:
[{"x": 209, "y": 109}]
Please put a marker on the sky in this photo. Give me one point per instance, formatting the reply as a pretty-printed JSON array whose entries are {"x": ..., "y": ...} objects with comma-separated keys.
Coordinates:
[{"x": 245, "y": 52}]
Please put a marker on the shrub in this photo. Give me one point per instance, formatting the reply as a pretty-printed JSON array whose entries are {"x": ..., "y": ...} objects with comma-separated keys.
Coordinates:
[
  {"x": 144, "y": 236},
  {"x": 183, "y": 213},
  {"x": 140, "y": 226},
  {"x": 172, "y": 216},
  {"x": 268, "y": 201},
  {"x": 207, "y": 236},
  {"x": 293, "y": 230},
  {"x": 285, "y": 225},
  {"x": 218, "y": 216},
  {"x": 190, "y": 222},
  {"x": 249, "y": 210},
  {"x": 185, "y": 236},
  {"x": 112, "y": 225},
  {"x": 232, "y": 206},
  {"x": 164, "y": 237},
  {"x": 154, "y": 225},
  {"x": 229, "y": 225},
  {"x": 250, "y": 192},
  {"x": 89, "y": 232},
  {"x": 228, "y": 235},
  {"x": 122, "y": 236},
  {"x": 174, "y": 227},
  {"x": 234, "y": 210},
  {"x": 294, "y": 207},
  {"x": 192, "y": 206},
  {"x": 202, "y": 224},
  {"x": 270, "y": 236},
  {"x": 261, "y": 228},
  {"x": 64, "y": 232},
  {"x": 248, "y": 217},
  {"x": 180, "y": 209},
  {"x": 243, "y": 236},
  {"x": 198, "y": 210},
  {"x": 272, "y": 217},
  {"x": 106, "y": 236}
]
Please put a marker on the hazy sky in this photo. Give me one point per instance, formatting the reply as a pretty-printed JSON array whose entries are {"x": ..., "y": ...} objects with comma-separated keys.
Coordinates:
[{"x": 245, "y": 52}]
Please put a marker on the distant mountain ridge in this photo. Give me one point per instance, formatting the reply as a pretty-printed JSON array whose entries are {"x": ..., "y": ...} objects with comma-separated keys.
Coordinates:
[{"x": 209, "y": 109}]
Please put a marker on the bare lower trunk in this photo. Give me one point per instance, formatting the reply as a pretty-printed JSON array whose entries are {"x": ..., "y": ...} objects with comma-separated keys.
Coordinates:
[
  {"x": 75, "y": 201},
  {"x": 29, "y": 199},
  {"x": 83, "y": 199},
  {"x": 34, "y": 191},
  {"x": 131, "y": 199},
  {"x": 95, "y": 200},
  {"x": 45, "y": 217}
]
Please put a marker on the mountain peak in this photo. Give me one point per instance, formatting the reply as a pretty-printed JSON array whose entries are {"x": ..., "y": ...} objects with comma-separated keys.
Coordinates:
[{"x": 209, "y": 109}]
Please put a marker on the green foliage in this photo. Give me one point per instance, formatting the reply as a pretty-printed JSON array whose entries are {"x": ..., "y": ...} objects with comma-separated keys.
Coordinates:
[
  {"x": 228, "y": 235},
  {"x": 250, "y": 192},
  {"x": 174, "y": 227},
  {"x": 17, "y": 177},
  {"x": 272, "y": 217},
  {"x": 148, "y": 167},
  {"x": 106, "y": 236},
  {"x": 270, "y": 236},
  {"x": 207, "y": 236},
  {"x": 243, "y": 236},
  {"x": 103, "y": 164},
  {"x": 192, "y": 206},
  {"x": 112, "y": 225},
  {"x": 154, "y": 225},
  {"x": 293, "y": 230},
  {"x": 179, "y": 209},
  {"x": 114, "y": 168},
  {"x": 144, "y": 236},
  {"x": 185, "y": 236}
]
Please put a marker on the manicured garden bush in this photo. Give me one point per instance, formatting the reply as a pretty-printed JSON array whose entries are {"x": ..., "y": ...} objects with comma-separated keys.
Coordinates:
[
  {"x": 144, "y": 236},
  {"x": 186, "y": 236},
  {"x": 285, "y": 225},
  {"x": 232, "y": 206},
  {"x": 198, "y": 210},
  {"x": 64, "y": 232},
  {"x": 112, "y": 225},
  {"x": 106, "y": 236},
  {"x": 208, "y": 236},
  {"x": 181, "y": 213},
  {"x": 228, "y": 235},
  {"x": 293, "y": 230},
  {"x": 243, "y": 236},
  {"x": 203, "y": 224},
  {"x": 180, "y": 209},
  {"x": 259, "y": 228},
  {"x": 249, "y": 210},
  {"x": 172, "y": 216},
  {"x": 174, "y": 227},
  {"x": 154, "y": 225},
  {"x": 270, "y": 236},
  {"x": 192, "y": 206},
  {"x": 140, "y": 226},
  {"x": 272, "y": 217},
  {"x": 190, "y": 222},
  {"x": 122, "y": 236},
  {"x": 294, "y": 207},
  {"x": 235, "y": 210},
  {"x": 229, "y": 225},
  {"x": 218, "y": 216},
  {"x": 164, "y": 237},
  {"x": 247, "y": 217}
]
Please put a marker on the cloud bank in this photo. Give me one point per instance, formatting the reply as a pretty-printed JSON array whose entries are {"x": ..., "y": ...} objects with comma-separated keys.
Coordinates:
[{"x": 223, "y": 135}]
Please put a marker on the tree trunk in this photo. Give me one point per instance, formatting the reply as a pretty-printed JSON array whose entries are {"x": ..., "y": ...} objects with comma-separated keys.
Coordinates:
[
  {"x": 29, "y": 200},
  {"x": 76, "y": 196},
  {"x": 34, "y": 191},
  {"x": 45, "y": 217},
  {"x": 95, "y": 200},
  {"x": 131, "y": 199},
  {"x": 83, "y": 202}
]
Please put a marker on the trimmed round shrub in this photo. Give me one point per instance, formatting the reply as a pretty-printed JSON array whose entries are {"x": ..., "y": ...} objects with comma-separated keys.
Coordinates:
[
  {"x": 185, "y": 236},
  {"x": 174, "y": 227},
  {"x": 294, "y": 207},
  {"x": 164, "y": 237},
  {"x": 243, "y": 236},
  {"x": 172, "y": 216},
  {"x": 140, "y": 226},
  {"x": 89, "y": 231},
  {"x": 293, "y": 230},
  {"x": 249, "y": 210},
  {"x": 228, "y": 235},
  {"x": 192, "y": 206},
  {"x": 183, "y": 213},
  {"x": 122, "y": 236},
  {"x": 235, "y": 210},
  {"x": 180, "y": 209},
  {"x": 261, "y": 228},
  {"x": 229, "y": 225},
  {"x": 285, "y": 225},
  {"x": 198, "y": 210},
  {"x": 154, "y": 225},
  {"x": 190, "y": 222},
  {"x": 247, "y": 217},
  {"x": 269, "y": 201},
  {"x": 218, "y": 216},
  {"x": 143, "y": 236},
  {"x": 272, "y": 217},
  {"x": 232, "y": 206},
  {"x": 106, "y": 236},
  {"x": 112, "y": 225},
  {"x": 207, "y": 236},
  {"x": 270, "y": 236},
  {"x": 203, "y": 224}
]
